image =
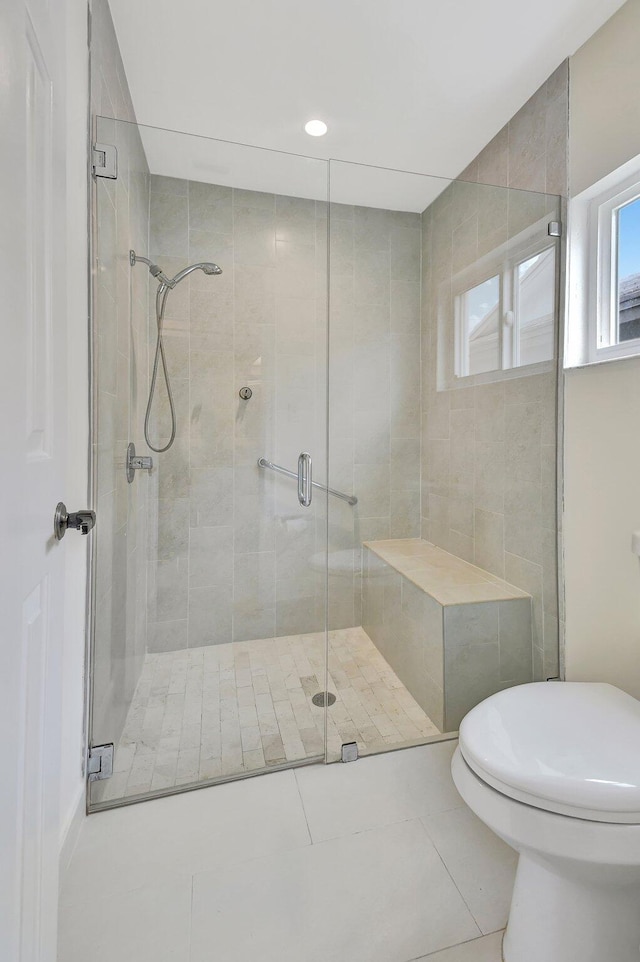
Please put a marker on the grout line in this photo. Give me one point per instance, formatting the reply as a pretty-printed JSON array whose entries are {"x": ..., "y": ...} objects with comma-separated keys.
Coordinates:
[
  {"x": 304, "y": 811},
  {"x": 437, "y": 850},
  {"x": 448, "y": 948}
]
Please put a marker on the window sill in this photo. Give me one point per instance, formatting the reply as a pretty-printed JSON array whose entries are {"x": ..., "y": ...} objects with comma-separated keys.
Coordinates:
[
  {"x": 599, "y": 361},
  {"x": 493, "y": 377}
]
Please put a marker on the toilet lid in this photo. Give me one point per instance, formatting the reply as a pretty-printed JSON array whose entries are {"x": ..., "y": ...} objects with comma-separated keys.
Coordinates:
[{"x": 567, "y": 747}]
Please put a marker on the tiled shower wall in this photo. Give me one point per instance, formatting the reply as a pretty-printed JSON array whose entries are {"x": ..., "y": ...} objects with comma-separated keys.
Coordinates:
[
  {"x": 232, "y": 554},
  {"x": 489, "y": 451},
  {"x": 120, "y": 378},
  {"x": 231, "y": 550},
  {"x": 374, "y": 390}
]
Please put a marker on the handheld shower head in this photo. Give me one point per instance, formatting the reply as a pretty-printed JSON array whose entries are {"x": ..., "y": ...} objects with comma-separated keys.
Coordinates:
[
  {"x": 156, "y": 271},
  {"x": 205, "y": 266},
  {"x": 165, "y": 285}
]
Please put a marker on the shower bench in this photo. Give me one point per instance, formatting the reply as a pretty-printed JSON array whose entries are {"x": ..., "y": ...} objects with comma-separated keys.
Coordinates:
[{"x": 453, "y": 633}]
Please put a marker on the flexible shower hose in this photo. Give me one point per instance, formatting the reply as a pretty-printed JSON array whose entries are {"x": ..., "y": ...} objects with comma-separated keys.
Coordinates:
[{"x": 161, "y": 300}]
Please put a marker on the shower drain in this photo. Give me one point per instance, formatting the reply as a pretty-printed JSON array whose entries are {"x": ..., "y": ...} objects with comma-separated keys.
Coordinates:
[{"x": 323, "y": 698}]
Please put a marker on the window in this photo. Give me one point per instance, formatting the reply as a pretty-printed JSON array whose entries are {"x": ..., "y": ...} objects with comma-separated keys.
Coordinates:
[
  {"x": 479, "y": 333},
  {"x": 615, "y": 235},
  {"x": 507, "y": 319},
  {"x": 535, "y": 308},
  {"x": 627, "y": 267},
  {"x": 604, "y": 270}
]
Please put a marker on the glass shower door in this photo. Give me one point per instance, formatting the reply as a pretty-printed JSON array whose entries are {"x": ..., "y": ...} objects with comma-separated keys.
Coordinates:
[
  {"x": 443, "y": 358},
  {"x": 209, "y": 600}
]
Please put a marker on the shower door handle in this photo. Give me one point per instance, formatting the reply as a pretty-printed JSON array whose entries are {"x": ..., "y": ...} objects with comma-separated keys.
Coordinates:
[{"x": 305, "y": 479}]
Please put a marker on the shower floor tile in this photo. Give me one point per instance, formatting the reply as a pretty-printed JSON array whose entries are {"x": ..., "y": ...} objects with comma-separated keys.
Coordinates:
[{"x": 231, "y": 709}]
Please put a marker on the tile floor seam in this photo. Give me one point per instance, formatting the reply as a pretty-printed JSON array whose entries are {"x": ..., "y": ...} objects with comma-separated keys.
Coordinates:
[
  {"x": 304, "y": 810},
  {"x": 312, "y": 844},
  {"x": 245, "y": 883},
  {"x": 431, "y": 955},
  {"x": 437, "y": 851},
  {"x": 220, "y": 866}
]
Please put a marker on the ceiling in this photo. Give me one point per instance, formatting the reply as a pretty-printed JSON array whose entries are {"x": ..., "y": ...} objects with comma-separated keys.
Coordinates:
[{"x": 415, "y": 85}]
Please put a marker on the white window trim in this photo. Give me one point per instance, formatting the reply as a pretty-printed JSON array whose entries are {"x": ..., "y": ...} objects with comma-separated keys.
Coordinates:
[
  {"x": 591, "y": 295},
  {"x": 503, "y": 263}
]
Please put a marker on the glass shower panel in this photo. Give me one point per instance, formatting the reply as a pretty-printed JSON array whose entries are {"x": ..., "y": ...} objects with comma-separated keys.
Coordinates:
[
  {"x": 119, "y": 374},
  {"x": 443, "y": 307},
  {"x": 210, "y": 572}
]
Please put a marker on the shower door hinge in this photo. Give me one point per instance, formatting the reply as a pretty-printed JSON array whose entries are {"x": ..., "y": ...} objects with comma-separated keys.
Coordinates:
[
  {"x": 100, "y": 762},
  {"x": 554, "y": 228},
  {"x": 349, "y": 752},
  {"x": 104, "y": 161}
]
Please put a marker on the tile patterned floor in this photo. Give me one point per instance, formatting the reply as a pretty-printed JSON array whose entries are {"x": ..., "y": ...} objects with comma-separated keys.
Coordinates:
[
  {"x": 228, "y": 709},
  {"x": 277, "y": 868}
]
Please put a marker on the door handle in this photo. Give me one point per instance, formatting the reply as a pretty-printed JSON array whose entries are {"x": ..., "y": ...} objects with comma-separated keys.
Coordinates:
[
  {"x": 305, "y": 479},
  {"x": 82, "y": 521}
]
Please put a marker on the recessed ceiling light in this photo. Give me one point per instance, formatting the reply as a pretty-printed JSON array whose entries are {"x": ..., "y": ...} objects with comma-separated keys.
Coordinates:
[{"x": 316, "y": 128}]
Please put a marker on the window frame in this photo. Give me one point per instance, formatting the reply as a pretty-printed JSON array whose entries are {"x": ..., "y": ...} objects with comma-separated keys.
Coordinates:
[
  {"x": 502, "y": 263},
  {"x": 604, "y": 274},
  {"x": 592, "y": 287}
]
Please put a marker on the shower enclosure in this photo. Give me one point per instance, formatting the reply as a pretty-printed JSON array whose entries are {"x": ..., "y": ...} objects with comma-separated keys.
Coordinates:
[{"x": 336, "y": 531}]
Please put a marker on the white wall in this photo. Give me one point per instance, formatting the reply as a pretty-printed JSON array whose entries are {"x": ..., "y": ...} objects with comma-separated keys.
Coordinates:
[
  {"x": 604, "y": 101},
  {"x": 602, "y": 402},
  {"x": 75, "y": 494},
  {"x": 602, "y": 507}
]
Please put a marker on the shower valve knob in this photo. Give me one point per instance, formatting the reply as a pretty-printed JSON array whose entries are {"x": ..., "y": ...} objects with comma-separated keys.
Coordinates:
[{"x": 82, "y": 521}]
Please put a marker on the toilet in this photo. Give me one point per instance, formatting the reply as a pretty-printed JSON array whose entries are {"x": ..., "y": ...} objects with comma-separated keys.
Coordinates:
[{"x": 553, "y": 768}]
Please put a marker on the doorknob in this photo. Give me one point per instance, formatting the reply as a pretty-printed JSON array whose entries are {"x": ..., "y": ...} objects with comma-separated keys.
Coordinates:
[
  {"x": 305, "y": 480},
  {"x": 82, "y": 521}
]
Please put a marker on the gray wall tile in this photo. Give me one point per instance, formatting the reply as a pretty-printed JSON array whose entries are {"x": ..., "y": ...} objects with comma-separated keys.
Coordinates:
[
  {"x": 262, "y": 324},
  {"x": 505, "y": 466}
]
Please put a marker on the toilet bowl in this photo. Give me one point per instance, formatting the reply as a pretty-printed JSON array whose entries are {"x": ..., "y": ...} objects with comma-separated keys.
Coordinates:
[{"x": 553, "y": 768}]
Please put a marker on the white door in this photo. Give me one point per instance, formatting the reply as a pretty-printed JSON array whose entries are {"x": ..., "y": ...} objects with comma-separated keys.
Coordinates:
[{"x": 32, "y": 453}]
